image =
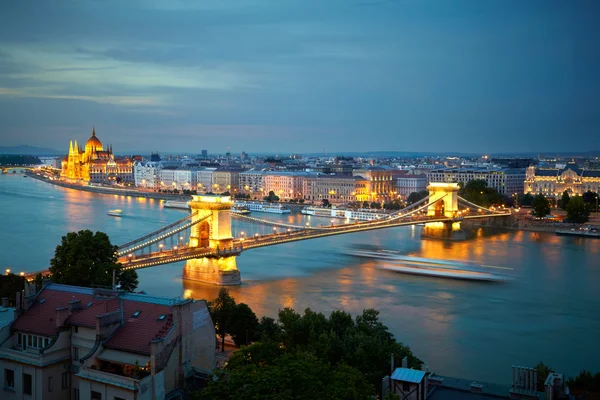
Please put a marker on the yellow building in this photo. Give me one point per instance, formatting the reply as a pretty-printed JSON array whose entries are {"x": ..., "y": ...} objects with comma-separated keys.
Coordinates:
[{"x": 94, "y": 164}]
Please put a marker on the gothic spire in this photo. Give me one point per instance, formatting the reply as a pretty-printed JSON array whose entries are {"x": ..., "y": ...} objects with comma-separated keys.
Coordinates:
[
  {"x": 70, "y": 147},
  {"x": 93, "y": 131}
]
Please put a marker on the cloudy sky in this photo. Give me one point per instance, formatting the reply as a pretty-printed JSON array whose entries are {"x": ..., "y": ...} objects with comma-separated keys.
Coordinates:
[{"x": 300, "y": 75}]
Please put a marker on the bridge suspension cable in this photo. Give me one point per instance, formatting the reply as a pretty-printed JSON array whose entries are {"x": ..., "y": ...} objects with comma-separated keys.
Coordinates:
[
  {"x": 413, "y": 205},
  {"x": 478, "y": 207},
  {"x": 156, "y": 232},
  {"x": 273, "y": 223}
]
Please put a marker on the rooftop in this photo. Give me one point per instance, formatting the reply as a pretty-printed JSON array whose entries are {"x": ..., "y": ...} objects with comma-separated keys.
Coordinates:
[{"x": 144, "y": 318}]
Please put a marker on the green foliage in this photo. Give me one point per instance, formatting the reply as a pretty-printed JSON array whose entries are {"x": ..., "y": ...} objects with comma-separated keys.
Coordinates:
[
  {"x": 271, "y": 197},
  {"x": 586, "y": 381},
  {"x": 375, "y": 205},
  {"x": 9, "y": 286},
  {"x": 244, "y": 325},
  {"x": 325, "y": 203},
  {"x": 542, "y": 373},
  {"x": 416, "y": 196},
  {"x": 577, "y": 210},
  {"x": 564, "y": 200},
  {"x": 242, "y": 196},
  {"x": 591, "y": 199},
  {"x": 525, "y": 200},
  {"x": 540, "y": 206},
  {"x": 39, "y": 282},
  {"x": 295, "y": 375},
  {"x": 393, "y": 205},
  {"x": 222, "y": 311},
  {"x": 365, "y": 204},
  {"x": 478, "y": 192},
  {"x": 88, "y": 259},
  {"x": 128, "y": 280},
  {"x": 269, "y": 330}
]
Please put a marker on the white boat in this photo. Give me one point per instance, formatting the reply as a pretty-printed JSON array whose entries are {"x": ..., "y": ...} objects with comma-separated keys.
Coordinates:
[
  {"x": 351, "y": 215},
  {"x": 264, "y": 207},
  {"x": 393, "y": 261},
  {"x": 240, "y": 210},
  {"x": 115, "y": 213},
  {"x": 177, "y": 204}
]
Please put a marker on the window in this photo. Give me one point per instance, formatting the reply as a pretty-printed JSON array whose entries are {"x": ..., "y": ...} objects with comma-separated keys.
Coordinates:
[
  {"x": 75, "y": 394},
  {"x": 96, "y": 395},
  {"x": 26, "y": 384},
  {"x": 19, "y": 339},
  {"x": 118, "y": 398},
  {"x": 29, "y": 340},
  {"x": 64, "y": 380},
  {"x": 76, "y": 353},
  {"x": 50, "y": 384},
  {"x": 35, "y": 341},
  {"x": 76, "y": 329},
  {"x": 46, "y": 341},
  {"x": 9, "y": 378}
]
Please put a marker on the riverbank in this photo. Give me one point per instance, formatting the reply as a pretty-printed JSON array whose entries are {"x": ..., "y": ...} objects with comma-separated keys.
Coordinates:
[{"x": 110, "y": 190}]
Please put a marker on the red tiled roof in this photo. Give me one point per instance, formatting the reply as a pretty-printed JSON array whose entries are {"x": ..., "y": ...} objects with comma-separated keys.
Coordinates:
[{"x": 135, "y": 335}]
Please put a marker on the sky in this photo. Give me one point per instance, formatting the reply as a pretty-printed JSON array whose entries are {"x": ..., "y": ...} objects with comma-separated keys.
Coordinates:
[{"x": 302, "y": 76}]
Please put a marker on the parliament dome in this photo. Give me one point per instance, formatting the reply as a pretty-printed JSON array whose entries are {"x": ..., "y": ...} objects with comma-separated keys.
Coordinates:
[{"x": 93, "y": 143}]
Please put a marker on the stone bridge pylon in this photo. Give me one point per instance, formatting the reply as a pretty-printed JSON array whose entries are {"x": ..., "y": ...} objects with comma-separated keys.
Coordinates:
[{"x": 212, "y": 232}]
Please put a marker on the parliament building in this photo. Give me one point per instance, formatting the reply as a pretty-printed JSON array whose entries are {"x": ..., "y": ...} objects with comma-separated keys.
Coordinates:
[{"x": 96, "y": 164}]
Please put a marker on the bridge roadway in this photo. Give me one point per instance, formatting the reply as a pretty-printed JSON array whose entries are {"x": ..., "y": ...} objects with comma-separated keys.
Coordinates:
[{"x": 239, "y": 245}]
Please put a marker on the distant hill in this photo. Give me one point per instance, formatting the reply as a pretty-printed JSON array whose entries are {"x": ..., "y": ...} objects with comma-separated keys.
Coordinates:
[{"x": 29, "y": 150}]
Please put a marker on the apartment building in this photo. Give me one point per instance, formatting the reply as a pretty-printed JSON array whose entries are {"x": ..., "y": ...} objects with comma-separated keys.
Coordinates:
[
  {"x": 226, "y": 180},
  {"x": 77, "y": 343},
  {"x": 381, "y": 185},
  {"x": 335, "y": 189},
  {"x": 285, "y": 184},
  {"x": 408, "y": 184},
  {"x": 252, "y": 182},
  {"x": 506, "y": 181}
]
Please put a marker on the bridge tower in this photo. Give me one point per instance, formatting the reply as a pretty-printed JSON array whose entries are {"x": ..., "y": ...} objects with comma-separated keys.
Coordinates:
[
  {"x": 443, "y": 203},
  {"x": 213, "y": 232}
]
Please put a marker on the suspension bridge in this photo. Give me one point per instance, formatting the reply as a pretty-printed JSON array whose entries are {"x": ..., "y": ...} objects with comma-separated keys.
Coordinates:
[{"x": 205, "y": 240}]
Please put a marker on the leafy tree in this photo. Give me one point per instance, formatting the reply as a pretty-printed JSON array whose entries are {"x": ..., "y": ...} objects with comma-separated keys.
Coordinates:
[
  {"x": 222, "y": 311},
  {"x": 416, "y": 196},
  {"x": 564, "y": 200},
  {"x": 478, "y": 192},
  {"x": 586, "y": 381},
  {"x": 589, "y": 197},
  {"x": 525, "y": 200},
  {"x": 542, "y": 373},
  {"x": 540, "y": 205},
  {"x": 375, "y": 205},
  {"x": 128, "y": 280},
  {"x": 392, "y": 205},
  {"x": 296, "y": 375},
  {"x": 325, "y": 203},
  {"x": 87, "y": 259},
  {"x": 577, "y": 211},
  {"x": 365, "y": 204},
  {"x": 269, "y": 330},
  {"x": 38, "y": 281},
  {"x": 271, "y": 197},
  {"x": 244, "y": 325}
]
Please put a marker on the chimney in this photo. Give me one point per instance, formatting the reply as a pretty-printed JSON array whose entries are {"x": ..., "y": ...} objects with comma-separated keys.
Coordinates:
[
  {"x": 405, "y": 362},
  {"x": 19, "y": 301},
  {"x": 62, "y": 314},
  {"x": 75, "y": 305},
  {"x": 5, "y": 302}
]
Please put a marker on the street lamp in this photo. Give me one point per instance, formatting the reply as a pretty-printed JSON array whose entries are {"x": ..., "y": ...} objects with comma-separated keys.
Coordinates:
[
  {"x": 160, "y": 246},
  {"x": 7, "y": 271}
]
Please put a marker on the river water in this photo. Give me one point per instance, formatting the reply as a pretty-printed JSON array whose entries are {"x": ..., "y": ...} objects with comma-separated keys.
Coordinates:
[{"x": 548, "y": 312}]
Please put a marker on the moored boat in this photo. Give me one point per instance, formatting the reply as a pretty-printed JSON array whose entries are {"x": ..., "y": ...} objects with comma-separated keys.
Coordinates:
[
  {"x": 588, "y": 231},
  {"x": 240, "y": 210},
  {"x": 183, "y": 205},
  {"x": 351, "y": 215},
  {"x": 264, "y": 207}
]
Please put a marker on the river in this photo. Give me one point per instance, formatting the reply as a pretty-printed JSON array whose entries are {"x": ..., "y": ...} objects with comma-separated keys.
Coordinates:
[{"x": 548, "y": 312}]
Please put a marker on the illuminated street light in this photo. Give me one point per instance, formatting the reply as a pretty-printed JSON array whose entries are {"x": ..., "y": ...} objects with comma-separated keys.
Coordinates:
[
  {"x": 22, "y": 273},
  {"x": 7, "y": 271}
]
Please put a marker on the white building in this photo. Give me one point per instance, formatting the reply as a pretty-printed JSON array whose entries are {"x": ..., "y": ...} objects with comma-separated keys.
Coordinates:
[
  {"x": 252, "y": 182},
  {"x": 285, "y": 184},
  {"x": 146, "y": 174},
  {"x": 83, "y": 343},
  {"x": 411, "y": 183},
  {"x": 506, "y": 181},
  {"x": 204, "y": 179}
]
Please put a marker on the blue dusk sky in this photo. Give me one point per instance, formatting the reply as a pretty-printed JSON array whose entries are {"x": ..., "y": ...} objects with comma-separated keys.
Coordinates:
[{"x": 287, "y": 76}]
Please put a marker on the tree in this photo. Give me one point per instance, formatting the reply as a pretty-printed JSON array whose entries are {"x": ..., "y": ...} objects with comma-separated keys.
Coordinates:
[
  {"x": 478, "y": 192},
  {"x": 577, "y": 210},
  {"x": 564, "y": 200},
  {"x": 542, "y": 373},
  {"x": 365, "y": 204},
  {"x": 10, "y": 285},
  {"x": 589, "y": 198},
  {"x": 525, "y": 200},
  {"x": 244, "y": 325},
  {"x": 128, "y": 280},
  {"x": 540, "y": 205},
  {"x": 38, "y": 281},
  {"x": 269, "y": 330},
  {"x": 375, "y": 205},
  {"x": 416, "y": 196},
  {"x": 271, "y": 197},
  {"x": 87, "y": 259},
  {"x": 325, "y": 203},
  {"x": 222, "y": 311}
]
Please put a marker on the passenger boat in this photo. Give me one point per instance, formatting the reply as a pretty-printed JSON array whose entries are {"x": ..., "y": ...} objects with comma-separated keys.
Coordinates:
[
  {"x": 176, "y": 204},
  {"x": 588, "y": 231},
  {"x": 115, "y": 213},
  {"x": 394, "y": 261},
  {"x": 264, "y": 207},
  {"x": 240, "y": 210},
  {"x": 352, "y": 215}
]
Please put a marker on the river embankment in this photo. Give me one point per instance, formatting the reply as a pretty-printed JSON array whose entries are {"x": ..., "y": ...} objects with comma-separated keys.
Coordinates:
[{"x": 110, "y": 190}]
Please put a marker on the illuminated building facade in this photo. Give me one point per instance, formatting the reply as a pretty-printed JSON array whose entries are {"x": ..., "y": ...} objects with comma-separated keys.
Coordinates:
[
  {"x": 553, "y": 182},
  {"x": 335, "y": 189},
  {"x": 381, "y": 185},
  {"x": 94, "y": 164},
  {"x": 507, "y": 181}
]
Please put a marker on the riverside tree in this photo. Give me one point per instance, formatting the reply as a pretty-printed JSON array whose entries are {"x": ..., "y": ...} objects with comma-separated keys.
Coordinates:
[
  {"x": 85, "y": 258},
  {"x": 564, "y": 200},
  {"x": 577, "y": 211},
  {"x": 540, "y": 206}
]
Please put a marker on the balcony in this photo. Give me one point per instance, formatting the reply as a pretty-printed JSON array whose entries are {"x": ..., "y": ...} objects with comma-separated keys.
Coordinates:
[
  {"x": 113, "y": 379},
  {"x": 33, "y": 357}
]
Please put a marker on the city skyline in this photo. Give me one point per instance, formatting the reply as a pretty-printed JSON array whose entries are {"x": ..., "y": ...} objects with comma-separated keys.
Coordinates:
[{"x": 470, "y": 77}]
